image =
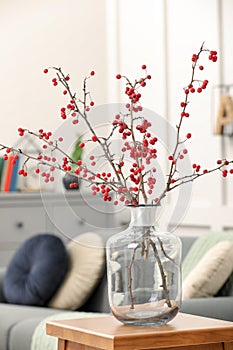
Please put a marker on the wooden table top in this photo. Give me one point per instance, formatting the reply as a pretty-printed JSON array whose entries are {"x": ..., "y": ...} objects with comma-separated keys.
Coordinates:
[{"x": 108, "y": 333}]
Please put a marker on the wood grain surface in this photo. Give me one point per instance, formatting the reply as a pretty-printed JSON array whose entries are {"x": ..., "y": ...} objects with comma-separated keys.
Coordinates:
[{"x": 186, "y": 331}]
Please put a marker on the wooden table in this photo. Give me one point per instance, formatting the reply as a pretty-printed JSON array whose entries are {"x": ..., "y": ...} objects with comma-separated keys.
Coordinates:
[{"x": 185, "y": 332}]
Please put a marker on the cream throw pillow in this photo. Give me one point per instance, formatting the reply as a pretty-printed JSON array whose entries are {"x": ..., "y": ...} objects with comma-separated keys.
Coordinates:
[
  {"x": 212, "y": 271},
  {"x": 87, "y": 257}
]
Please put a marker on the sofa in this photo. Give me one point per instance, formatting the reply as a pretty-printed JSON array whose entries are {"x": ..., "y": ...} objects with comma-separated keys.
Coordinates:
[{"x": 18, "y": 322}]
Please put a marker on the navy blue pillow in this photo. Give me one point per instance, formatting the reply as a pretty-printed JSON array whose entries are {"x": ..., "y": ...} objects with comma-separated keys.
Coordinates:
[{"x": 36, "y": 271}]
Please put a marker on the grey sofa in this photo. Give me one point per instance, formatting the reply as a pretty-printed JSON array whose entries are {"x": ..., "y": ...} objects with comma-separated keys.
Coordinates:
[{"x": 17, "y": 323}]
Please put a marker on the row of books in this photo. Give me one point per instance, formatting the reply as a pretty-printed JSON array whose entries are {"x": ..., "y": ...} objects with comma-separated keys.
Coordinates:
[{"x": 9, "y": 174}]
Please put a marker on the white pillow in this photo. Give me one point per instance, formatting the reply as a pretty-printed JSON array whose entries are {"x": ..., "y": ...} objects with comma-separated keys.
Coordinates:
[
  {"x": 87, "y": 257},
  {"x": 212, "y": 271}
]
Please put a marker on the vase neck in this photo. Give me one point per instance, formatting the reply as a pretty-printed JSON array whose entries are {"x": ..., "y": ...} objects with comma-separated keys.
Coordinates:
[{"x": 143, "y": 215}]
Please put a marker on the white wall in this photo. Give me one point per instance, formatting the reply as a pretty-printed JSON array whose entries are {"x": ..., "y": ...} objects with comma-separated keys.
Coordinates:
[
  {"x": 164, "y": 34},
  {"x": 37, "y": 34}
]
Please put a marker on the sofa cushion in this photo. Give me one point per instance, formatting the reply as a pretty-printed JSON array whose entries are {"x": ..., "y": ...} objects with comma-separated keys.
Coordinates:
[
  {"x": 14, "y": 315},
  {"x": 200, "y": 247},
  {"x": 36, "y": 270},
  {"x": 87, "y": 259},
  {"x": 210, "y": 273}
]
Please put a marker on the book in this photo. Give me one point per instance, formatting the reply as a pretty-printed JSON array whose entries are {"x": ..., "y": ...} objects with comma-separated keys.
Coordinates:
[
  {"x": 9, "y": 171},
  {"x": 15, "y": 176}
]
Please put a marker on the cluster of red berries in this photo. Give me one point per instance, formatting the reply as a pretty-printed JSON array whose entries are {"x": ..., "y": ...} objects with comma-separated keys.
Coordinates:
[
  {"x": 191, "y": 89},
  {"x": 143, "y": 126},
  {"x": 122, "y": 128},
  {"x": 131, "y": 91},
  {"x": 70, "y": 108},
  {"x": 224, "y": 163},
  {"x": 151, "y": 182},
  {"x": 23, "y": 172},
  {"x": 213, "y": 56},
  {"x": 133, "y": 96},
  {"x": 15, "y": 156},
  {"x": 21, "y": 131},
  {"x": 44, "y": 135},
  {"x": 196, "y": 167},
  {"x": 173, "y": 160},
  {"x": 47, "y": 177}
]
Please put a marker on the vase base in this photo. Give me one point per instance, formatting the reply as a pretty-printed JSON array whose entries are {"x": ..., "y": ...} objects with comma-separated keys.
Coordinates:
[{"x": 144, "y": 317}]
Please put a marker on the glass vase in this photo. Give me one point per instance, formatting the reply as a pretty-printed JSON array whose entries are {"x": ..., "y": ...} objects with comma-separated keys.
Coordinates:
[{"x": 144, "y": 271}]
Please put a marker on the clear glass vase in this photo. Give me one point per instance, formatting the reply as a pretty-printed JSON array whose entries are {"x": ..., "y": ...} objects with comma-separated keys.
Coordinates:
[{"x": 144, "y": 271}]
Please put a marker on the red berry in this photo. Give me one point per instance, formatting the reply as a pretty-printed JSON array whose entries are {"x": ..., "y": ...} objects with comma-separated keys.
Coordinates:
[
  {"x": 231, "y": 171},
  {"x": 82, "y": 145},
  {"x": 118, "y": 76},
  {"x": 94, "y": 138},
  {"x": 143, "y": 83},
  {"x": 46, "y": 70},
  {"x": 64, "y": 92},
  {"x": 186, "y": 91},
  {"x": 219, "y": 161},
  {"x": 92, "y": 103},
  {"x": 194, "y": 57},
  {"x": 224, "y": 173},
  {"x": 92, "y": 73},
  {"x": 188, "y": 135},
  {"x": 170, "y": 157},
  {"x": 192, "y": 90},
  {"x": 143, "y": 66},
  {"x": 182, "y": 104},
  {"x": 199, "y": 90},
  {"x": 201, "y": 67},
  {"x": 148, "y": 76}
]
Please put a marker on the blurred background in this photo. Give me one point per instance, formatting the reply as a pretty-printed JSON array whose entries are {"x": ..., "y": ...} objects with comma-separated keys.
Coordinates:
[{"x": 116, "y": 36}]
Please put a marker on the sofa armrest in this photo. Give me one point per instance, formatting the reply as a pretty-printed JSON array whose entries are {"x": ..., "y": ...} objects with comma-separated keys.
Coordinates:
[
  {"x": 218, "y": 307},
  {"x": 2, "y": 273}
]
